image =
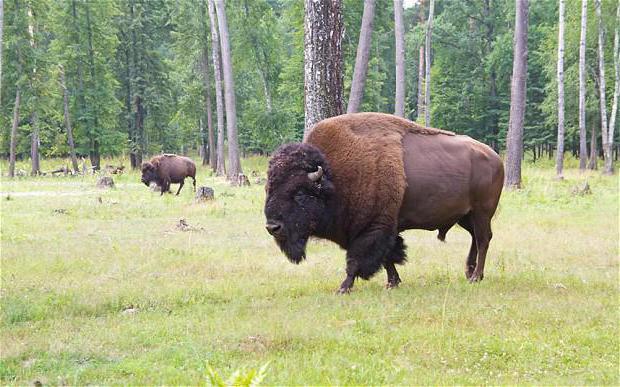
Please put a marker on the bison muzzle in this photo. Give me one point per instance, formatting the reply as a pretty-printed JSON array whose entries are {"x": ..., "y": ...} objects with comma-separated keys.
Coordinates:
[{"x": 361, "y": 179}]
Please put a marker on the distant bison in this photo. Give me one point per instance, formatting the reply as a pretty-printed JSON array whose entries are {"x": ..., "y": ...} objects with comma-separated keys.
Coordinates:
[
  {"x": 166, "y": 169},
  {"x": 361, "y": 179}
]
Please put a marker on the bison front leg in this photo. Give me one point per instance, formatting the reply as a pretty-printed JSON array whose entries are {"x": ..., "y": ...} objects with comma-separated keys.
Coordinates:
[
  {"x": 396, "y": 256},
  {"x": 365, "y": 256}
]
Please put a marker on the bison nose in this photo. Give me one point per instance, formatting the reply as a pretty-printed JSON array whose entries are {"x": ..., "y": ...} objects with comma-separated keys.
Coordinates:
[{"x": 273, "y": 228}]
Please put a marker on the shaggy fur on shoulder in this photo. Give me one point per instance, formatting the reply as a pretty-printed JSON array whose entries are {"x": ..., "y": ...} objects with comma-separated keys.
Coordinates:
[{"x": 366, "y": 156}]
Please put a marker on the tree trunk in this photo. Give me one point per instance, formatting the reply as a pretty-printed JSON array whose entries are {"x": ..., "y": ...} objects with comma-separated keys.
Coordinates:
[
  {"x": 65, "y": 94},
  {"x": 139, "y": 122},
  {"x": 234, "y": 163},
  {"x": 583, "y": 152},
  {"x": 514, "y": 139},
  {"x": 138, "y": 91},
  {"x": 593, "y": 161},
  {"x": 219, "y": 100},
  {"x": 608, "y": 169},
  {"x": 427, "y": 92},
  {"x": 614, "y": 108},
  {"x": 361, "y": 59},
  {"x": 399, "y": 32},
  {"x": 12, "y": 150},
  {"x": 323, "y": 61},
  {"x": 1, "y": 40},
  {"x": 34, "y": 145},
  {"x": 211, "y": 160},
  {"x": 95, "y": 156},
  {"x": 421, "y": 95},
  {"x": 559, "y": 162}
]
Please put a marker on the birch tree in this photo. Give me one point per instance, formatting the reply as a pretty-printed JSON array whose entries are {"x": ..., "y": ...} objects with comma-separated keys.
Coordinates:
[
  {"x": 399, "y": 33},
  {"x": 608, "y": 143},
  {"x": 361, "y": 59},
  {"x": 514, "y": 140},
  {"x": 12, "y": 149},
  {"x": 583, "y": 151},
  {"x": 65, "y": 95},
  {"x": 608, "y": 168},
  {"x": 421, "y": 95},
  {"x": 323, "y": 61},
  {"x": 1, "y": 39},
  {"x": 559, "y": 162},
  {"x": 234, "y": 163},
  {"x": 427, "y": 92},
  {"x": 219, "y": 99},
  {"x": 34, "y": 139}
]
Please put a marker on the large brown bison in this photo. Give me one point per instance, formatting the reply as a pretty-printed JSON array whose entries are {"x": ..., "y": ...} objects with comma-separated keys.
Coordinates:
[
  {"x": 361, "y": 179},
  {"x": 166, "y": 169}
]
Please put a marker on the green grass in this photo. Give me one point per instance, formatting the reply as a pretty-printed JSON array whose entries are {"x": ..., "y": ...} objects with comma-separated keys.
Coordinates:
[{"x": 100, "y": 287}]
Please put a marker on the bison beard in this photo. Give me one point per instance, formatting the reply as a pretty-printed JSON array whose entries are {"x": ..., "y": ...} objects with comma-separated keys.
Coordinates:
[{"x": 298, "y": 208}]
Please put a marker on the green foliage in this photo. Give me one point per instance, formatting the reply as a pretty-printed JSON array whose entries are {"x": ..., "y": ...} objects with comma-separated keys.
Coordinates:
[
  {"x": 240, "y": 378},
  {"x": 156, "y": 50}
]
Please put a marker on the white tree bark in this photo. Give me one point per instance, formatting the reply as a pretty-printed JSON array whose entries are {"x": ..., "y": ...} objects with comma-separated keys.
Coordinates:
[
  {"x": 399, "y": 33},
  {"x": 34, "y": 139},
  {"x": 559, "y": 162},
  {"x": 323, "y": 61},
  {"x": 219, "y": 99},
  {"x": 614, "y": 107},
  {"x": 608, "y": 168},
  {"x": 210, "y": 137},
  {"x": 65, "y": 95},
  {"x": 427, "y": 92},
  {"x": 421, "y": 95},
  {"x": 234, "y": 162},
  {"x": 583, "y": 151},
  {"x": 514, "y": 140},
  {"x": 13, "y": 147},
  {"x": 1, "y": 40},
  {"x": 361, "y": 59}
]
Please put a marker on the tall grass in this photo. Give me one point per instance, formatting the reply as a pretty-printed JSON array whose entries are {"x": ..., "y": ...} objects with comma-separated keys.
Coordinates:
[{"x": 102, "y": 287}]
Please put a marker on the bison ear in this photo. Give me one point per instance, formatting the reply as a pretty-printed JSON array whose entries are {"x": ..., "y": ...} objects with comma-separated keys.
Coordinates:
[{"x": 316, "y": 175}]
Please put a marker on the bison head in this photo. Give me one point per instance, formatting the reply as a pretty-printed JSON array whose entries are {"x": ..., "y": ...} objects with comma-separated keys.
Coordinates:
[
  {"x": 300, "y": 196},
  {"x": 149, "y": 173}
]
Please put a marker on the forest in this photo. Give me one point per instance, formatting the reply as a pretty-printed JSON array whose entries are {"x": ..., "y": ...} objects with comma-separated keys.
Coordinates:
[{"x": 137, "y": 76}]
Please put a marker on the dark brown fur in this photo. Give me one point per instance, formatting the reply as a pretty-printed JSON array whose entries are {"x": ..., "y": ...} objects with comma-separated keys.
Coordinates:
[
  {"x": 168, "y": 169},
  {"x": 382, "y": 175}
]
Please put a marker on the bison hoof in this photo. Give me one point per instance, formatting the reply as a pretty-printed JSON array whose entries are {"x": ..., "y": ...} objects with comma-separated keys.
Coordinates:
[
  {"x": 476, "y": 277},
  {"x": 342, "y": 291},
  {"x": 392, "y": 284}
]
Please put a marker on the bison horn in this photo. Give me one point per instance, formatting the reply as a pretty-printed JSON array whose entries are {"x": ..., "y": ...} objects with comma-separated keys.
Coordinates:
[{"x": 315, "y": 176}]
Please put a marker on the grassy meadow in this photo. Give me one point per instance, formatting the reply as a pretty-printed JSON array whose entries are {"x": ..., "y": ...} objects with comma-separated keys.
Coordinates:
[{"x": 102, "y": 287}]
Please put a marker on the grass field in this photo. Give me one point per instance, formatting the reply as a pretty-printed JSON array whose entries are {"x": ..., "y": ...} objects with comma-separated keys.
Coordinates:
[{"x": 101, "y": 287}]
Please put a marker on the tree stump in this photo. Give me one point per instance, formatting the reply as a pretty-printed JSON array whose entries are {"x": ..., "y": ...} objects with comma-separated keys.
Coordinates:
[
  {"x": 205, "y": 193},
  {"x": 582, "y": 189},
  {"x": 105, "y": 182},
  {"x": 240, "y": 181}
]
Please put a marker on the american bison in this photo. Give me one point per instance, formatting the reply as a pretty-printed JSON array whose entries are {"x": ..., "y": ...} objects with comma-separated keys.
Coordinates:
[
  {"x": 166, "y": 169},
  {"x": 361, "y": 179}
]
